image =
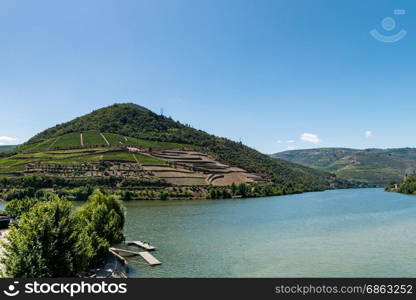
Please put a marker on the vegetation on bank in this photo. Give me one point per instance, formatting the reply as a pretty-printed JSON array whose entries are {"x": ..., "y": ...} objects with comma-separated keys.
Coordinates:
[
  {"x": 46, "y": 181},
  {"x": 407, "y": 186},
  {"x": 79, "y": 189},
  {"x": 51, "y": 239}
]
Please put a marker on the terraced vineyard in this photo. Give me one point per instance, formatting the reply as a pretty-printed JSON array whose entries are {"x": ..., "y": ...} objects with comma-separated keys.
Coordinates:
[{"x": 95, "y": 154}]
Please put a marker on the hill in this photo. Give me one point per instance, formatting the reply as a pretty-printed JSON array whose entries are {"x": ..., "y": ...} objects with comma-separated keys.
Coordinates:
[
  {"x": 375, "y": 166},
  {"x": 127, "y": 140},
  {"x": 6, "y": 148}
]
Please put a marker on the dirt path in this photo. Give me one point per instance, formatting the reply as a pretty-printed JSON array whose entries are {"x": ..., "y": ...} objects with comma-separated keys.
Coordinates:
[
  {"x": 81, "y": 139},
  {"x": 105, "y": 139}
]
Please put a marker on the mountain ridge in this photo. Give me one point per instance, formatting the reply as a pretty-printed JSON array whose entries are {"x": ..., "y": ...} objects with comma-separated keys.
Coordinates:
[
  {"x": 5, "y": 148},
  {"x": 373, "y": 165}
]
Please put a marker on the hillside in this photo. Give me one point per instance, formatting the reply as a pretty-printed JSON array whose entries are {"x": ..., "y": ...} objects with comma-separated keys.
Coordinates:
[
  {"x": 130, "y": 140},
  {"x": 375, "y": 166},
  {"x": 95, "y": 154}
]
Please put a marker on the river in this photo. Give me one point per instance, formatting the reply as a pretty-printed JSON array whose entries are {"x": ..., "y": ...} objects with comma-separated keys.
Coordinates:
[{"x": 348, "y": 233}]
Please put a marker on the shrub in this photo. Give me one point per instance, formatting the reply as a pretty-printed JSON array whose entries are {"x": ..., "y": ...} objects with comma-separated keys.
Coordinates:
[
  {"x": 101, "y": 219},
  {"x": 46, "y": 243}
]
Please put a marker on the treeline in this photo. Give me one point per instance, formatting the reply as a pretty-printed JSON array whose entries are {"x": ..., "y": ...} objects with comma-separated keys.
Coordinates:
[
  {"x": 253, "y": 190},
  {"x": 79, "y": 189},
  {"x": 50, "y": 239},
  {"x": 47, "y": 181},
  {"x": 82, "y": 193},
  {"x": 153, "y": 194}
]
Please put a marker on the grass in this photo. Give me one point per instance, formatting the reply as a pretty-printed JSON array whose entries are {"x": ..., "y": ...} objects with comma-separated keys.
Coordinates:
[
  {"x": 115, "y": 139},
  {"x": 68, "y": 140},
  {"x": 91, "y": 138},
  {"x": 14, "y": 168},
  {"x": 7, "y": 175},
  {"x": 35, "y": 147},
  {"x": 88, "y": 158},
  {"x": 12, "y": 165},
  {"x": 154, "y": 144},
  {"x": 7, "y": 162},
  {"x": 129, "y": 157},
  {"x": 119, "y": 156},
  {"x": 76, "y": 151}
]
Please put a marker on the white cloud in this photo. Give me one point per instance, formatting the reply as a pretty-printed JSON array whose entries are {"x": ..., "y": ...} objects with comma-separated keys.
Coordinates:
[
  {"x": 368, "y": 134},
  {"x": 290, "y": 141},
  {"x": 6, "y": 140},
  {"x": 310, "y": 138},
  {"x": 279, "y": 141}
]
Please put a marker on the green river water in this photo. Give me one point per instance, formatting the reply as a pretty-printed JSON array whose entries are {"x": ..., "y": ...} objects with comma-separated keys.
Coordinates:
[{"x": 352, "y": 233}]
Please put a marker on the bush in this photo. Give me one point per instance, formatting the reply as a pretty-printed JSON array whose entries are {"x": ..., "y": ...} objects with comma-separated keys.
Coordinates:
[
  {"x": 18, "y": 206},
  {"x": 46, "y": 243},
  {"x": 49, "y": 241},
  {"x": 101, "y": 219}
]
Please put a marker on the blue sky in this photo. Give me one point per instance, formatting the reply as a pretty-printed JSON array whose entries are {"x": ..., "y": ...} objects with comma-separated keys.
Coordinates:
[{"x": 276, "y": 74}]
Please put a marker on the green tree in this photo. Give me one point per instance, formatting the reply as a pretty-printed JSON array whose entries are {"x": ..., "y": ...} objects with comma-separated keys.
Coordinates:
[
  {"x": 101, "y": 219},
  {"x": 243, "y": 190},
  {"x": 17, "y": 207},
  {"x": 46, "y": 243}
]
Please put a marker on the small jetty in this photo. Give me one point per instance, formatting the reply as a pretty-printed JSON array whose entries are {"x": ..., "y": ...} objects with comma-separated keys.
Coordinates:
[
  {"x": 117, "y": 266},
  {"x": 141, "y": 244},
  {"x": 151, "y": 260},
  {"x": 124, "y": 250}
]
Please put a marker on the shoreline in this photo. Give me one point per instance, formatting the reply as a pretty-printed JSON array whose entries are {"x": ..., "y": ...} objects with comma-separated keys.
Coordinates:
[{"x": 230, "y": 198}]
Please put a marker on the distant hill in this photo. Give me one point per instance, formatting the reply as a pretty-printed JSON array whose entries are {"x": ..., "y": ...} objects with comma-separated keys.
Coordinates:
[
  {"x": 375, "y": 166},
  {"x": 114, "y": 128},
  {"x": 6, "y": 148}
]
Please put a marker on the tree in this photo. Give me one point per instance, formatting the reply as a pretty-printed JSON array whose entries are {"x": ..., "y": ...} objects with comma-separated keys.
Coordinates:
[
  {"x": 46, "y": 243},
  {"x": 233, "y": 188},
  {"x": 243, "y": 190},
  {"x": 101, "y": 219},
  {"x": 18, "y": 206}
]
